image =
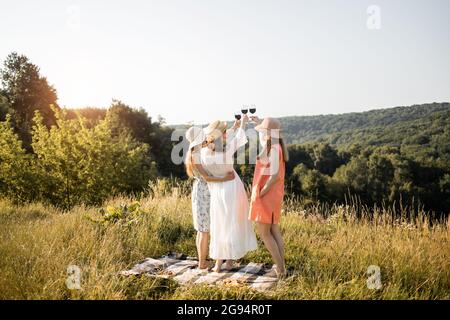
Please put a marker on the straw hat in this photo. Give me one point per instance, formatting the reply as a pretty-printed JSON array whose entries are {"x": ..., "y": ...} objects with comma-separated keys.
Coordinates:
[
  {"x": 272, "y": 125},
  {"x": 269, "y": 123},
  {"x": 215, "y": 129},
  {"x": 195, "y": 136}
]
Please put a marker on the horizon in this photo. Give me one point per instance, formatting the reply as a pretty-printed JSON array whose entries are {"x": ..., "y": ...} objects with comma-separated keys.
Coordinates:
[
  {"x": 338, "y": 114},
  {"x": 282, "y": 116},
  {"x": 202, "y": 61}
]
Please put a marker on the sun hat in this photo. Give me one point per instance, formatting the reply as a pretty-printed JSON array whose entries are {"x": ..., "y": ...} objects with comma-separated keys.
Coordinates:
[
  {"x": 272, "y": 125},
  {"x": 195, "y": 136},
  {"x": 269, "y": 123},
  {"x": 215, "y": 129}
]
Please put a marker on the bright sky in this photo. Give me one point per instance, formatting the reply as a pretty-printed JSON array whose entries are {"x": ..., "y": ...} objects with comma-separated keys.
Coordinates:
[{"x": 198, "y": 60}]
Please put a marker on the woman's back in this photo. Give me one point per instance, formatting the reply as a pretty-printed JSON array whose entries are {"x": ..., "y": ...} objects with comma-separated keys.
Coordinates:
[
  {"x": 216, "y": 163},
  {"x": 219, "y": 163}
]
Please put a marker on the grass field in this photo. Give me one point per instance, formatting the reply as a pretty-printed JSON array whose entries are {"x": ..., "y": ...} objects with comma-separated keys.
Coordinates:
[{"x": 330, "y": 256}]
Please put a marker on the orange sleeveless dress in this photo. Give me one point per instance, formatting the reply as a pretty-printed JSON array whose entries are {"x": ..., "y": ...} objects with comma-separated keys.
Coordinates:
[{"x": 267, "y": 209}]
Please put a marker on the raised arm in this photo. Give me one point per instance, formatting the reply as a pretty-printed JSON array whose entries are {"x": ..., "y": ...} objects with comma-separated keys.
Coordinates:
[
  {"x": 231, "y": 132},
  {"x": 239, "y": 139},
  {"x": 255, "y": 119}
]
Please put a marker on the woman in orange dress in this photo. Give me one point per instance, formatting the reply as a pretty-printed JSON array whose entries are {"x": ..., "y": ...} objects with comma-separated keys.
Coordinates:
[{"x": 268, "y": 189}]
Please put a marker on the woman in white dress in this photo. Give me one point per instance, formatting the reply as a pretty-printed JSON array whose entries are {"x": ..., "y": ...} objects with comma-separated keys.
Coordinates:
[
  {"x": 200, "y": 191},
  {"x": 231, "y": 232}
]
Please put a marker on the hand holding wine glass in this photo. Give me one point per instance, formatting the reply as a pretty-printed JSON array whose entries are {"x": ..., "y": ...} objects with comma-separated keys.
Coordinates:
[
  {"x": 236, "y": 124},
  {"x": 244, "y": 121},
  {"x": 255, "y": 119},
  {"x": 237, "y": 121}
]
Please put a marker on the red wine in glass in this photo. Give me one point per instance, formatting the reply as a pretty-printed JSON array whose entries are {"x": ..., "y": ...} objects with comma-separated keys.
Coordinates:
[
  {"x": 237, "y": 116},
  {"x": 244, "y": 111},
  {"x": 252, "y": 111}
]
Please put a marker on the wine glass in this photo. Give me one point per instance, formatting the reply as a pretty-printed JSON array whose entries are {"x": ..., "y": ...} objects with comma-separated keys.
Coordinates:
[
  {"x": 237, "y": 117},
  {"x": 244, "y": 109},
  {"x": 252, "y": 110}
]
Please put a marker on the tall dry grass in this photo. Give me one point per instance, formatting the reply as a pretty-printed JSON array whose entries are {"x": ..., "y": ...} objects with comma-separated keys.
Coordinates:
[{"x": 328, "y": 253}]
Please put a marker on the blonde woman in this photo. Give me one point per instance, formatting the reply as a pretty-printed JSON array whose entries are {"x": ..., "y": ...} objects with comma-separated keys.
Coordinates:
[
  {"x": 268, "y": 189},
  {"x": 200, "y": 192},
  {"x": 232, "y": 234}
]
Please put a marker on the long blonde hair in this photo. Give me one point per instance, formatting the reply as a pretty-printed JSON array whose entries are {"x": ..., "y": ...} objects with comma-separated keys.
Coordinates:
[
  {"x": 283, "y": 146},
  {"x": 189, "y": 163},
  {"x": 284, "y": 149}
]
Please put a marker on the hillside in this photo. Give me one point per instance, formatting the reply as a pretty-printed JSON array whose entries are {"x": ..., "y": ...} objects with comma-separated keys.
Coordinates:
[
  {"x": 353, "y": 127},
  {"x": 422, "y": 130}
]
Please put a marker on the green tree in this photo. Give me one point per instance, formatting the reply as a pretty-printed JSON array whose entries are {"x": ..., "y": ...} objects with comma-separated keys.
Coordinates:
[
  {"x": 353, "y": 176},
  {"x": 136, "y": 121},
  {"x": 310, "y": 183},
  {"x": 298, "y": 154},
  {"x": 326, "y": 159},
  {"x": 92, "y": 115},
  {"x": 26, "y": 91},
  {"x": 82, "y": 164},
  {"x": 16, "y": 166},
  {"x": 4, "y": 107}
]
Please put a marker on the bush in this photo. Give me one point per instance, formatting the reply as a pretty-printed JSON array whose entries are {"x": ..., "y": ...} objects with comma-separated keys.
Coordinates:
[
  {"x": 72, "y": 163},
  {"x": 17, "y": 177}
]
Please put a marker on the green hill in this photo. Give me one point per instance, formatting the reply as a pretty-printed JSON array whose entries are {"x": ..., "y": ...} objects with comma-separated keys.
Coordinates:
[
  {"x": 424, "y": 127},
  {"x": 420, "y": 131},
  {"x": 345, "y": 128}
]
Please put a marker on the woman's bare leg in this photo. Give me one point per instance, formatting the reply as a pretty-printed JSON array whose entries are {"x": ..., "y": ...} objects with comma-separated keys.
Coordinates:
[
  {"x": 197, "y": 245},
  {"x": 202, "y": 242},
  {"x": 218, "y": 266},
  {"x": 265, "y": 233},
  {"x": 276, "y": 233}
]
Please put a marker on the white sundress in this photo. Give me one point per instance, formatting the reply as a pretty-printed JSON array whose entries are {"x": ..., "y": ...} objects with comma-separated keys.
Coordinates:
[{"x": 231, "y": 232}]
